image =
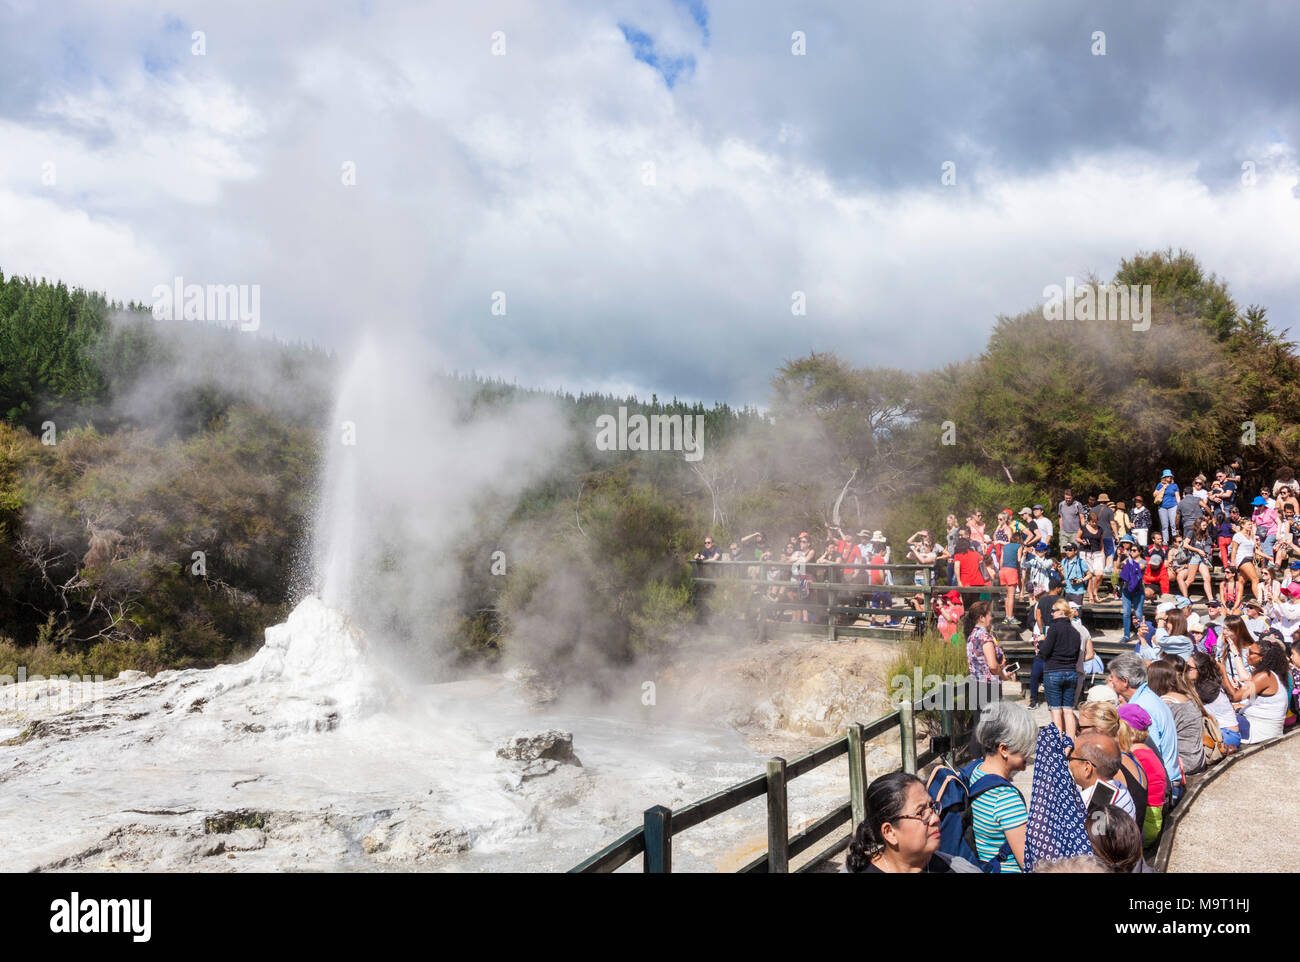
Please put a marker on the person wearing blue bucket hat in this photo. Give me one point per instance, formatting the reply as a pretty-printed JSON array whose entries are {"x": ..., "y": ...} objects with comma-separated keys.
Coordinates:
[
  {"x": 1265, "y": 519},
  {"x": 1166, "y": 499}
]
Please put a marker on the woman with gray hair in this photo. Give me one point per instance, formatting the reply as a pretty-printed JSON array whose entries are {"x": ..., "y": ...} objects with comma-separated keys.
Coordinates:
[{"x": 1007, "y": 734}]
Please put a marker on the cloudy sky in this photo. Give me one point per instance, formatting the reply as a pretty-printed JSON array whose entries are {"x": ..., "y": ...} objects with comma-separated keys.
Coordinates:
[{"x": 648, "y": 182}]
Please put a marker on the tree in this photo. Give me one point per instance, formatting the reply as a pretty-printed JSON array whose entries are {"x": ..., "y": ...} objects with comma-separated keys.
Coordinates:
[{"x": 844, "y": 430}]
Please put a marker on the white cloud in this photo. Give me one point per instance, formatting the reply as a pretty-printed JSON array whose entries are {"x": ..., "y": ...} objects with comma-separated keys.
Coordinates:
[{"x": 523, "y": 173}]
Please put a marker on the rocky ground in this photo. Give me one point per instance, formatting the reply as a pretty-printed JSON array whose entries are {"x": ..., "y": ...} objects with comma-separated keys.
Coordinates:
[{"x": 310, "y": 757}]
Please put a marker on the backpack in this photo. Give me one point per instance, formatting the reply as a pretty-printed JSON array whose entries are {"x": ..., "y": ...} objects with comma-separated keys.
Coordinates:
[
  {"x": 1212, "y": 739},
  {"x": 953, "y": 793}
]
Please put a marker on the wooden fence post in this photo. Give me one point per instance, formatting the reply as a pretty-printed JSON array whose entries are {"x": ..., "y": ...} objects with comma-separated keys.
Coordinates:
[
  {"x": 832, "y": 578},
  {"x": 907, "y": 728},
  {"x": 948, "y": 716},
  {"x": 659, "y": 840},
  {"x": 778, "y": 821},
  {"x": 857, "y": 775},
  {"x": 927, "y": 577}
]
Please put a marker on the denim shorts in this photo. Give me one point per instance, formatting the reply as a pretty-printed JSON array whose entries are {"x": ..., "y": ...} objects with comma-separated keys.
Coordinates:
[{"x": 1059, "y": 686}]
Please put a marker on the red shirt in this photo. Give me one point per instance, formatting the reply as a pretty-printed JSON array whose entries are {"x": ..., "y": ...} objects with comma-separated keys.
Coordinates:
[
  {"x": 1157, "y": 576},
  {"x": 968, "y": 563}
]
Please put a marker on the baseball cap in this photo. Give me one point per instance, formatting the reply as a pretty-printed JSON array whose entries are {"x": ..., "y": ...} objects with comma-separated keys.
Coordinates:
[
  {"x": 1038, "y": 507},
  {"x": 1025, "y": 511},
  {"x": 1135, "y": 715},
  {"x": 1165, "y": 607},
  {"x": 1102, "y": 693},
  {"x": 1295, "y": 564},
  {"x": 1182, "y": 601},
  {"x": 1041, "y": 546},
  {"x": 1214, "y": 603}
]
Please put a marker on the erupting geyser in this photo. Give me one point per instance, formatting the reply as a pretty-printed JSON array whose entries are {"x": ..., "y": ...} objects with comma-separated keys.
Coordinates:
[
  {"x": 319, "y": 649},
  {"x": 311, "y": 755}
]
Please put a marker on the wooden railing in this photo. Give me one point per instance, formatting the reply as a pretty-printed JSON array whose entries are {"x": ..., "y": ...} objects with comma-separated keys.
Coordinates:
[
  {"x": 831, "y": 582},
  {"x": 653, "y": 839},
  {"x": 829, "y": 578},
  {"x": 830, "y": 610}
]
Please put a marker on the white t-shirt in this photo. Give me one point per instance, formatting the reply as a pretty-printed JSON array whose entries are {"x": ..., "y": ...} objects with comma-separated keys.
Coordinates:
[
  {"x": 1201, "y": 495},
  {"x": 1286, "y": 616},
  {"x": 1256, "y": 626},
  {"x": 1244, "y": 548},
  {"x": 1045, "y": 528},
  {"x": 1221, "y": 711}
]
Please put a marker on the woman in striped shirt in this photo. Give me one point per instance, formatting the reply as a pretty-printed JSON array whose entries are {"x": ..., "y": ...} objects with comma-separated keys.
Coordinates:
[{"x": 1007, "y": 734}]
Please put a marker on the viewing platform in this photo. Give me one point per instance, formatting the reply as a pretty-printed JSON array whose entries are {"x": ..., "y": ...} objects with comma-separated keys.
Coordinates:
[{"x": 845, "y": 609}]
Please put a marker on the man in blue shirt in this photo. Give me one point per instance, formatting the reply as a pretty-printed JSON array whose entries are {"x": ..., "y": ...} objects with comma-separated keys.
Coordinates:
[
  {"x": 1074, "y": 571},
  {"x": 1128, "y": 678}
]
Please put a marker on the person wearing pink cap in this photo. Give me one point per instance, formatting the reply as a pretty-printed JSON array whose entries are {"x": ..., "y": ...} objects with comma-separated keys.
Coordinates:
[
  {"x": 950, "y": 611},
  {"x": 1134, "y": 723},
  {"x": 1284, "y": 610}
]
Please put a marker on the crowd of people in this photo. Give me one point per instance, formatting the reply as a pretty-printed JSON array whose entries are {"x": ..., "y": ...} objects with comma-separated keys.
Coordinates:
[
  {"x": 1101, "y": 794},
  {"x": 1098, "y": 550},
  {"x": 1193, "y": 689}
]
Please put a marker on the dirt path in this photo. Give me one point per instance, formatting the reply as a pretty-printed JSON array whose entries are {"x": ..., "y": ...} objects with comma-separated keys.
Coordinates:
[{"x": 1254, "y": 799}]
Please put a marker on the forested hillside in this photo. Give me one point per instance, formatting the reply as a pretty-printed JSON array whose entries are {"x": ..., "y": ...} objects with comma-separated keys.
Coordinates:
[
  {"x": 157, "y": 479},
  {"x": 157, "y": 482}
]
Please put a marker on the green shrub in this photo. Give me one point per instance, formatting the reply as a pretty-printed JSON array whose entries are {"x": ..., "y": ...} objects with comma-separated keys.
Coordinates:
[{"x": 935, "y": 658}]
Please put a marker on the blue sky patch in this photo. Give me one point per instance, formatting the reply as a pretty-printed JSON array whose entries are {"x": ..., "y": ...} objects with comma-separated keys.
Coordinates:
[
  {"x": 643, "y": 48},
  {"x": 699, "y": 13}
]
